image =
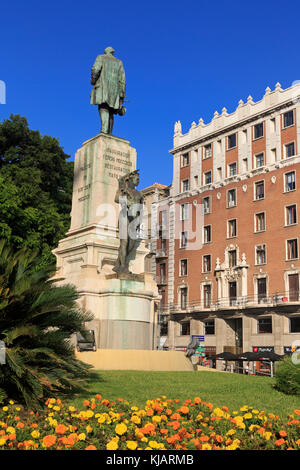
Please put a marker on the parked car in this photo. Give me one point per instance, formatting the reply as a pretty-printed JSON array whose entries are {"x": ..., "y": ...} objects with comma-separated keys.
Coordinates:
[{"x": 87, "y": 342}]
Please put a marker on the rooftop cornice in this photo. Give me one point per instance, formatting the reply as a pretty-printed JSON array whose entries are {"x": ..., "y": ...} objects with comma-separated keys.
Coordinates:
[{"x": 292, "y": 99}]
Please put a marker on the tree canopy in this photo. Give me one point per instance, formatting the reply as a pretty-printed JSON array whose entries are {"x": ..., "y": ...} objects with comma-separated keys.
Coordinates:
[{"x": 35, "y": 188}]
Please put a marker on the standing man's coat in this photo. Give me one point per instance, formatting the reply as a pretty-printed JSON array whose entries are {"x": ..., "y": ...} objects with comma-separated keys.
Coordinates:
[{"x": 108, "y": 78}]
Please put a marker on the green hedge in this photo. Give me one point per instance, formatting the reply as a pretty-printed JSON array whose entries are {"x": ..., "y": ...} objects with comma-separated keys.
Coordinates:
[{"x": 288, "y": 376}]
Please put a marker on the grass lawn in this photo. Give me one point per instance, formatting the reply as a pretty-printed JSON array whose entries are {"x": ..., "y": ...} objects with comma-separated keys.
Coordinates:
[{"x": 232, "y": 390}]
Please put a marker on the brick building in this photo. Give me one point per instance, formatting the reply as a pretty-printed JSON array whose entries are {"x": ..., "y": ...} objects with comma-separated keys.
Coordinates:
[{"x": 227, "y": 253}]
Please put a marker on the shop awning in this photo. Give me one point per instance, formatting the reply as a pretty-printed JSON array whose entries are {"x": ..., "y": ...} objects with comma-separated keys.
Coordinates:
[
  {"x": 248, "y": 356},
  {"x": 269, "y": 356},
  {"x": 224, "y": 356}
]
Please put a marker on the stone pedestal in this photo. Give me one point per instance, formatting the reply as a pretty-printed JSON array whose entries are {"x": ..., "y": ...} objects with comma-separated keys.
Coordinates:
[{"x": 123, "y": 306}]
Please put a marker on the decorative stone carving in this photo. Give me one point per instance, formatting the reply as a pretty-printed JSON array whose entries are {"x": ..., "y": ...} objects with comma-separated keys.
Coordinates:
[{"x": 177, "y": 128}]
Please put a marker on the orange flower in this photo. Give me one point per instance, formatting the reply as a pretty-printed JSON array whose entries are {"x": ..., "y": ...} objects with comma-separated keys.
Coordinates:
[
  {"x": 90, "y": 448},
  {"x": 164, "y": 431},
  {"x": 67, "y": 441},
  {"x": 150, "y": 412},
  {"x": 49, "y": 440},
  {"x": 204, "y": 438},
  {"x": 175, "y": 416},
  {"x": 282, "y": 433},
  {"x": 20, "y": 425},
  {"x": 297, "y": 412},
  {"x": 219, "y": 439},
  {"x": 61, "y": 429},
  {"x": 279, "y": 442},
  {"x": 173, "y": 439},
  {"x": 86, "y": 403},
  {"x": 197, "y": 400},
  {"x": 184, "y": 409},
  {"x": 176, "y": 425},
  {"x": 98, "y": 396}
]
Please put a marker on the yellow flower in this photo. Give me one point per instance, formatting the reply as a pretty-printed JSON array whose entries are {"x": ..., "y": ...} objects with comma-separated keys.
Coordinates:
[
  {"x": 267, "y": 435},
  {"x": 10, "y": 430},
  {"x": 230, "y": 432},
  {"x": 82, "y": 436},
  {"x": 56, "y": 408},
  {"x": 206, "y": 447},
  {"x": 89, "y": 413},
  {"x": 2, "y": 442},
  {"x": 121, "y": 428},
  {"x": 88, "y": 429},
  {"x": 255, "y": 412},
  {"x": 244, "y": 408},
  {"x": 135, "y": 419},
  {"x": 156, "y": 419},
  {"x": 144, "y": 439},
  {"x": 132, "y": 445},
  {"x": 5, "y": 408},
  {"x": 102, "y": 419},
  {"x": 153, "y": 444},
  {"x": 72, "y": 409},
  {"x": 35, "y": 434},
  {"x": 134, "y": 408},
  {"x": 248, "y": 416},
  {"x": 253, "y": 427},
  {"x": 218, "y": 412},
  {"x": 11, "y": 402},
  {"x": 112, "y": 445},
  {"x": 160, "y": 446}
]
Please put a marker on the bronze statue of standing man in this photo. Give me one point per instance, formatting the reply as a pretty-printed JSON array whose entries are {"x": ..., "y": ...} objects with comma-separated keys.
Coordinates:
[
  {"x": 108, "y": 79},
  {"x": 131, "y": 202}
]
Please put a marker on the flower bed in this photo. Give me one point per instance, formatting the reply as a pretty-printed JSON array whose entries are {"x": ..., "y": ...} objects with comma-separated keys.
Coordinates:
[{"x": 163, "y": 424}]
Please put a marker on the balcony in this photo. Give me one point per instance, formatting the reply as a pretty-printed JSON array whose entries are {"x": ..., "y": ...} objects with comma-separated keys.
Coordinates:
[
  {"x": 161, "y": 254},
  {"x": 255, "y": 302},
  {"x": 161, "y": 280}
]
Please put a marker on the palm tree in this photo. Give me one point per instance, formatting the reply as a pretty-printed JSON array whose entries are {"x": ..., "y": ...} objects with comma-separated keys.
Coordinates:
[{"x": 37, "y": 320}]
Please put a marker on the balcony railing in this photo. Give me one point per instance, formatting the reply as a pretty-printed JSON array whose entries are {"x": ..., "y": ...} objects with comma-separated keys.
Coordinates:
[
  {"x": 161, "y": 254},
  {"x": 235, "y": 303},
  {"x": 161, "y": 280}
]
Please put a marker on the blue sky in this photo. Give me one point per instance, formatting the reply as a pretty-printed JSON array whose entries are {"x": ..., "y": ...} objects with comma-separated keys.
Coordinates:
[{"x": 183, "y": 61}]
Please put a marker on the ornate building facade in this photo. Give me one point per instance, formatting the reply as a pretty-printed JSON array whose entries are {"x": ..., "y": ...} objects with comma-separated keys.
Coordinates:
[{"x": 227, "y": 251}]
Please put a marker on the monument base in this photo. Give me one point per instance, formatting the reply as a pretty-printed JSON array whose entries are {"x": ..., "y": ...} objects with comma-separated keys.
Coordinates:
[
  {"x": 123, "y": 305},
  {"x": 127, "y": 311}
]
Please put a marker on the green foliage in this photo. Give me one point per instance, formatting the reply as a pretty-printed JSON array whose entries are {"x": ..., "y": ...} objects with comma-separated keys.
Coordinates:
[
  {"x": 288, "y": 376},
  {"x": 35, "y": 188},
  {"x": 37, "y": 319}
]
